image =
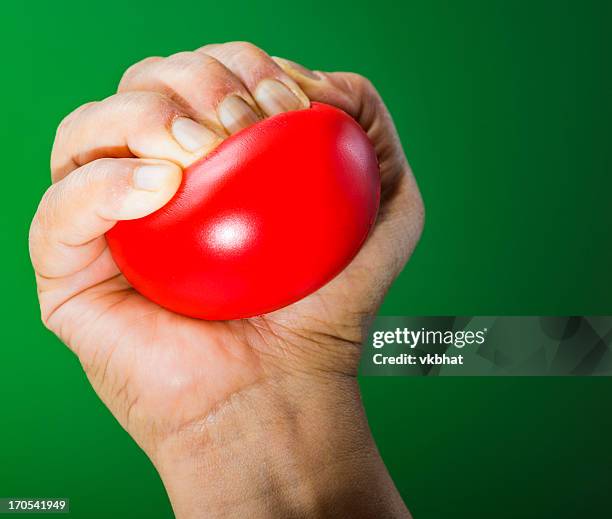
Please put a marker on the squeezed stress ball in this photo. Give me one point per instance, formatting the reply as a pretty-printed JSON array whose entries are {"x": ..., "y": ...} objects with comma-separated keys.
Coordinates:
[{"x": 270, "y": 216}]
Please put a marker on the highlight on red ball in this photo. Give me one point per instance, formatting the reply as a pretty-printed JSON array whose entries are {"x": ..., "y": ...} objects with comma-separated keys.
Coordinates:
[{"x": 270, "y": 216}]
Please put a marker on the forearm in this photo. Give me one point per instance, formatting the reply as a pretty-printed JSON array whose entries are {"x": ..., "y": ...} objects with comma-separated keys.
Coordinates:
[{"x": 297, "y": 449}]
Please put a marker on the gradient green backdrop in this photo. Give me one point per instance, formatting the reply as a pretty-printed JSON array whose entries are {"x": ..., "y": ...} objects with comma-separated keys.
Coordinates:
[{"x": 504, "y": 109}]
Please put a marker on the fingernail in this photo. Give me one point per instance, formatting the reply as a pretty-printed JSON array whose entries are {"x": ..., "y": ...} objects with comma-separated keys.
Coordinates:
[
  {"x": 153, "y": 186},
  {"x": 274, "y": 97},
  {"x": 296, "y": 67},
  {"x": 191, "y": 135},
  {"x": 235, "y": 114},
  {"x": 155, "y": 177}
]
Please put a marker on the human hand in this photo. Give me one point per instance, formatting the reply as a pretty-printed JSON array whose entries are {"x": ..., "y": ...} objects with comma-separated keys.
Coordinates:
[{"x": 259, "y": 416}]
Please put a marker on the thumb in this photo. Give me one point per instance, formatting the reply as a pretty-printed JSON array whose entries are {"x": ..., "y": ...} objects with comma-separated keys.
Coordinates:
[{"x": 67, "y": 232}]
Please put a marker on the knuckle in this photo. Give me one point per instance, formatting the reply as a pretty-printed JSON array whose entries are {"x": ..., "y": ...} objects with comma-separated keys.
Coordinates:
[
  {"x": 185, "y": 73},
  {"x": 60, "y": 151},
  {"x": 68, "y": 122},
  {"x": 142, "y": 104},
  {"x": 192, "y": 66},
  {"x": 359, "y": 82},
  {"x": 188, "y": 59},
  {"x": 245, "y": 46},
  {"x": 136, "y": 69},
  {"x": 247, "y": 50},
  {"x": 362, "y": 92},
  {"x": 64, "y": 125}
]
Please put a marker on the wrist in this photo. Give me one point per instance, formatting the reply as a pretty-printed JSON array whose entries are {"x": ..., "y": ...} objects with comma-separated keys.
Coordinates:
[{"x": 292, "y": 446}]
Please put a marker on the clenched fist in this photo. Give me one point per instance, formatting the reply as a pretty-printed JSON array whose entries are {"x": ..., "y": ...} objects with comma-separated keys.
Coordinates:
[{"x": 258, "y": 417}]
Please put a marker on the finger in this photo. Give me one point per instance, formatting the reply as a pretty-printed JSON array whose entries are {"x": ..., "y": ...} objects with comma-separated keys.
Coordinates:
[
  {"x": 67, "y": 232},
  {"x": 141, "y": 124},
  {"x": 348, "y": 91},
  {"x": 340, "y": 89},
  {"x": 201, "y": 84},
  {"x": 357, "y": 96},
  {"x": 273, "y": 89}
]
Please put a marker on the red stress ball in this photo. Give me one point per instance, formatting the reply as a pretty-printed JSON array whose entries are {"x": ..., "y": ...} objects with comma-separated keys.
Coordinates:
[{"x": 270, "y": 216}]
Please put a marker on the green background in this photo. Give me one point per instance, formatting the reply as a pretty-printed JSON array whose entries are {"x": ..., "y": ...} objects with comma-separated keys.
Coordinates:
[{"x": 504, "y": 109}]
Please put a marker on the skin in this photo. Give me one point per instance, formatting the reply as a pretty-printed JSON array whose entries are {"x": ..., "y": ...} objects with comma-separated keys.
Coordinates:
[{"x": 258, "y": 417}]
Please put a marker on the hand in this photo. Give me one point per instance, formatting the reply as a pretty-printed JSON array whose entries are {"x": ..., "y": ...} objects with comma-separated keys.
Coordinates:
[{"x": 262, "y": 416}]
